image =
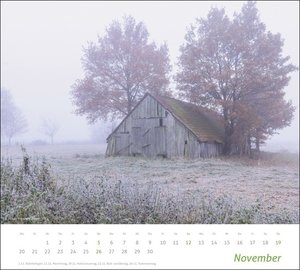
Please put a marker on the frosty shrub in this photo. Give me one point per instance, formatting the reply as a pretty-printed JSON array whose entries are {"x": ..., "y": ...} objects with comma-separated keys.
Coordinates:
[
  {"x": 32, "y": 193},
  {"x": 29, "y": 193}
]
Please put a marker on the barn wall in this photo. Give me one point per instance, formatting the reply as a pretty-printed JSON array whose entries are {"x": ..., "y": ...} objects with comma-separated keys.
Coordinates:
[
  {"x": 142, "y": 133},
  {"x": 152, "y": 131},
  {"x": 182, "y": 142}
]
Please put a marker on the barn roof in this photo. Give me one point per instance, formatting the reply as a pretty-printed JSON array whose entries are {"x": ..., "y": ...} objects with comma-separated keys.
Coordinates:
[{"x": 203, "y": 123}]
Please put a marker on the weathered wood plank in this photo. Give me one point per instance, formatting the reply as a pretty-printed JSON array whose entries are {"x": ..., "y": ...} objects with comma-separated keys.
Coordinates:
[{"x": 143, "y": 133}]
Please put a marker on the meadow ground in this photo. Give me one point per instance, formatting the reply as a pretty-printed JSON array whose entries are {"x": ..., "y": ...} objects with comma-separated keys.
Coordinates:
[{"x": 272, "y": 181}]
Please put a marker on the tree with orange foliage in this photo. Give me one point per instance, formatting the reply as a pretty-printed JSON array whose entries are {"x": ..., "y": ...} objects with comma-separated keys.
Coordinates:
[
  {"x": 236, "y": 67},
  {"x": 119, "y": 70}
]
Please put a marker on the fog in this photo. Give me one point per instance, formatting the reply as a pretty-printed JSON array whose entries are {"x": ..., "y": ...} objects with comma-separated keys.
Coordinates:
[{"x": 41, "y": 50}]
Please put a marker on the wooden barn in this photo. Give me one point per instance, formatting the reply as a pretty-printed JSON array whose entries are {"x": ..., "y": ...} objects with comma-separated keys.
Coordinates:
[{"x": 166, "y": 127}]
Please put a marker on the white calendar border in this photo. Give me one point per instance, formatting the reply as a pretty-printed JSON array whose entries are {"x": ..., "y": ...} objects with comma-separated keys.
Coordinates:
[{"x": 169, "y": 257}]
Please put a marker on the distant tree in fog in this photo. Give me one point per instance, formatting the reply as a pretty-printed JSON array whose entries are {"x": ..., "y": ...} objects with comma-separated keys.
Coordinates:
[
  {"x": 12, "y": 120},
  {"x": 49, "y": 127},
  {"x": 119, "y": 69}
]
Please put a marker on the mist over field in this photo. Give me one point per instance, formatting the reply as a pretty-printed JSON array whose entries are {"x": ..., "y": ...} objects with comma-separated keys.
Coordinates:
[
  {"x": 60, "y": 89},
  {"x": 41, "y": 57}
]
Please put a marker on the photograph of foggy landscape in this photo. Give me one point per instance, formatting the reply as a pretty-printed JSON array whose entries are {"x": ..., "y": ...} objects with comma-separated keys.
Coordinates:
[{"x": 139, "y": 112}]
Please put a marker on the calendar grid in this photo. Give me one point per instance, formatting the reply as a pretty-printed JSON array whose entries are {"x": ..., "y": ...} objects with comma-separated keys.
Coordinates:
[{"x": 149, "y": 246}]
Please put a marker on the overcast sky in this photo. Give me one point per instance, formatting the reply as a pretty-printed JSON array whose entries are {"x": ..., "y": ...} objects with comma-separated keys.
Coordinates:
[{"x": 41, "y": 48}]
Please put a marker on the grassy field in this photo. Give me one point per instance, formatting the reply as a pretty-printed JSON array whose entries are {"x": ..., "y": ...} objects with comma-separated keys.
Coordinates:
[{"x": 269, "y": 185}]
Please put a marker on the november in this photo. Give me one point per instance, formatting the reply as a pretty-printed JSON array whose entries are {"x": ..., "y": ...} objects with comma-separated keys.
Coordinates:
[{"x": 266, "y": 258}]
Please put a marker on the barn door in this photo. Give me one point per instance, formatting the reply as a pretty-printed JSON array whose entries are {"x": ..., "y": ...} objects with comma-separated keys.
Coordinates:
[
  {"x": 147, "y": 142},
  {"x": 160, "y": 139},
  {"x": 149, "y": 138},
  {"x": 136, "y": 148},
  {"x": 122, "y": 144}
]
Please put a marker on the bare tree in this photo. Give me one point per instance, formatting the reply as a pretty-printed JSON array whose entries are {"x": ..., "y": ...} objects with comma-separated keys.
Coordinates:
[
  {"x": 50, "y": 128},
  {"x": 12, "y": 120}
]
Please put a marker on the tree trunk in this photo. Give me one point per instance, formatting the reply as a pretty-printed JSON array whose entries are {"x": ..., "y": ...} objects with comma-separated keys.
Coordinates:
[
  {"x": 227, "y": 134},
  {"x": 51, "y": 139},
  {"x": 257, "y": 144},
  {"x": 9, "y": 141},
  {"x": 129, "y": 103},
  {"x": 227, "y": 142},
  {"x": 248, "y": 151}
]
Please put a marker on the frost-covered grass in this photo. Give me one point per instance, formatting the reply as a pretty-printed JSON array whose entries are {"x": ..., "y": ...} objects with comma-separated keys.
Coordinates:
[{"x": 78, "y": 185}]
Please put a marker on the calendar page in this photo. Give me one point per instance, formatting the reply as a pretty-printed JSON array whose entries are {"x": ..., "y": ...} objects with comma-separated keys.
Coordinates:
[
  {"x": 150, "y": 247},
  {"x": 149, "y": 135}
]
